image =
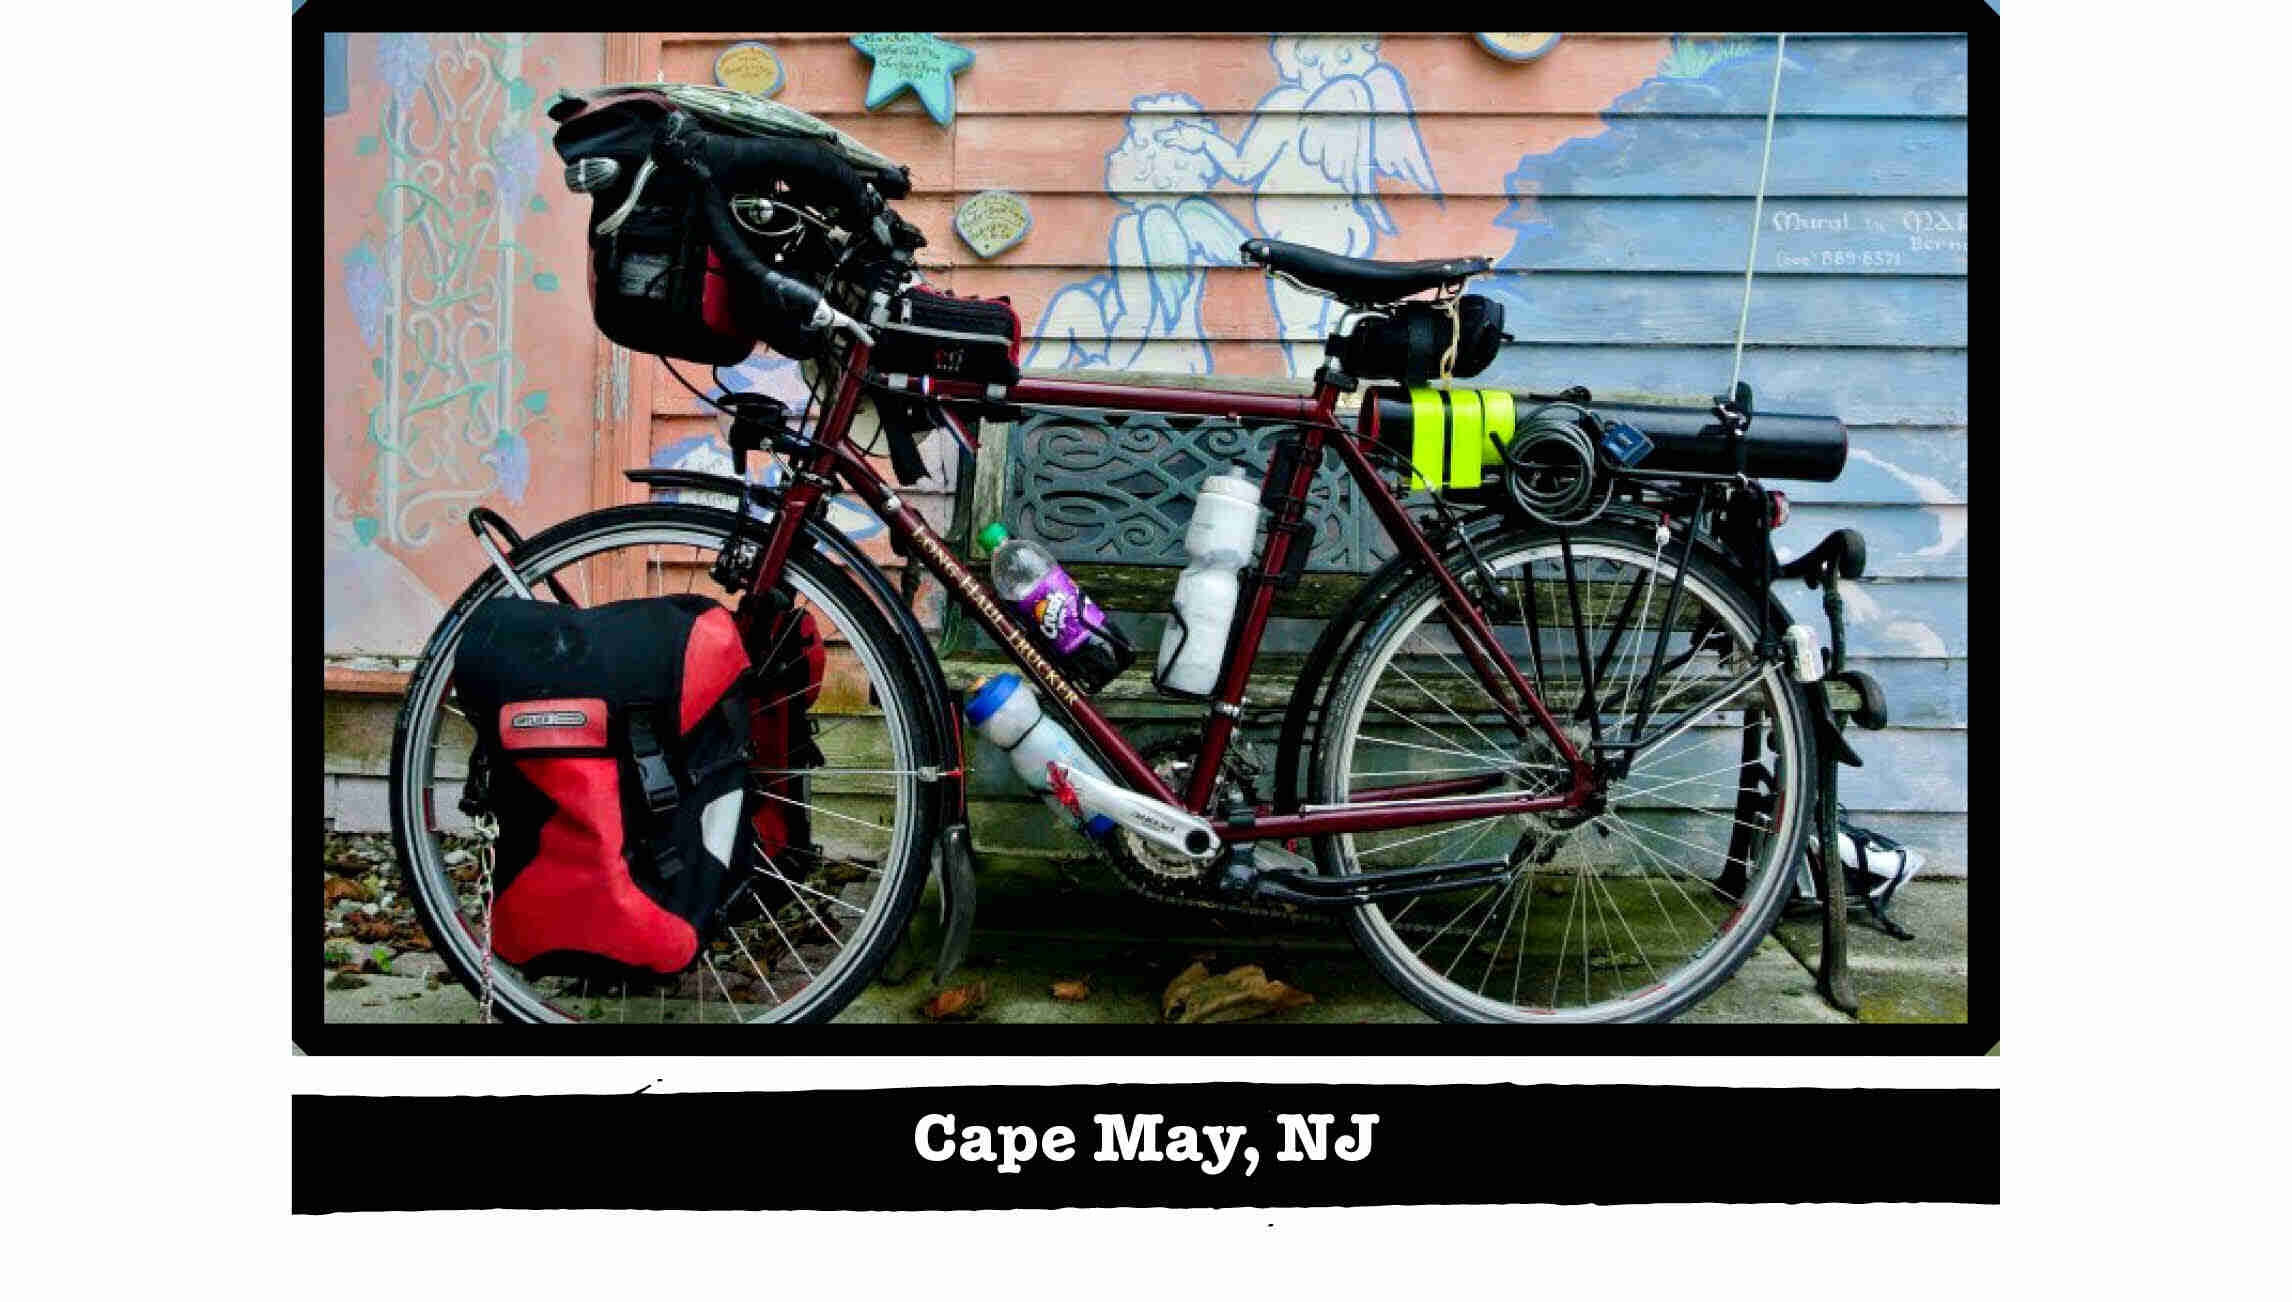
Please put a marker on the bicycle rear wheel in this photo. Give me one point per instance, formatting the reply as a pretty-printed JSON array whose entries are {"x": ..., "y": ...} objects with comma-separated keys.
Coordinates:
[
  {"x": 1631, "y": 912},
  {"x": 815, "y": 926}
]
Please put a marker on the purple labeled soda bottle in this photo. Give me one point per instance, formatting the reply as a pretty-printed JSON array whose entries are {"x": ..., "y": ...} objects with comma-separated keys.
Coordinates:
[{"x": 1036, "y": 590}]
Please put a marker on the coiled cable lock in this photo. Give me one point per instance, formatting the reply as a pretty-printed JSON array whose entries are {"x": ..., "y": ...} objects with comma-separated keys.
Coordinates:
[{"x": 1552, "y": 467}]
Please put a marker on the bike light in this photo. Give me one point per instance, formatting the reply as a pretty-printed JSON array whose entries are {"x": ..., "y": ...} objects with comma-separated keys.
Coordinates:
[
  {"x": 591, "y": 174},
  {"x": 1778, "y": 509}
]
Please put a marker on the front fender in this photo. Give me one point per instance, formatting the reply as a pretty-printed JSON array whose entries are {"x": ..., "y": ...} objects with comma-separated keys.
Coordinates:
[
  {"x": 914, "y": 643},
  {"x": 951, "y": 848}
]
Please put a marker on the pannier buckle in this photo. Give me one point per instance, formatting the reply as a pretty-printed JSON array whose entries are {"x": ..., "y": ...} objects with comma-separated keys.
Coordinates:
[{"x": 653, "y": 771}]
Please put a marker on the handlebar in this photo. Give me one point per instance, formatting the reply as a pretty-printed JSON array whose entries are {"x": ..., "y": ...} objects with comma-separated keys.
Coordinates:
[
  {"x": 705, "y": 158},
  {"x": 736, "y": 162}
]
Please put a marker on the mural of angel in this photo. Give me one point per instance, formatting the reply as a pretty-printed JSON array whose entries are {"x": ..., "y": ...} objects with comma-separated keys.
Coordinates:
[
  {"x": 1340, "y": 119},
  {"x": 1145, "y": 312}
]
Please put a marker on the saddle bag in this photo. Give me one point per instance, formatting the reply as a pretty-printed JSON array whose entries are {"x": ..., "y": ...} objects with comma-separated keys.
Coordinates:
[
  {"x": 613, "y": 744},
  {"x": 922, "y": 331},
  {"x": 790, "y": 660},
  {"x": 1409, "y": 344}
]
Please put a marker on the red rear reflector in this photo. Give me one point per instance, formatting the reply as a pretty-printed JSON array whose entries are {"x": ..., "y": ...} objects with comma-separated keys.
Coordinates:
[{"x": 1778, "y": 509}]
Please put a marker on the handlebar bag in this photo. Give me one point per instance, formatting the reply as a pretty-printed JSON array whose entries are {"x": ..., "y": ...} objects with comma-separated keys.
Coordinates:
[
  {"x": 923, "y": 331},
  {"x": 655, "y": 286},
  {"x": 614, "y": 747}
]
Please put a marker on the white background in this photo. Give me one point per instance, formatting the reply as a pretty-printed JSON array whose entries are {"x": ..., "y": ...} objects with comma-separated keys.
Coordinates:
[{"x": 149, "y": 763}]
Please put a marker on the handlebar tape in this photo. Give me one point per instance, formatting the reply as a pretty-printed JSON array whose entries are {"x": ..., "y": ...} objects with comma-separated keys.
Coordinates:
[{"x": 740, "y": 163}]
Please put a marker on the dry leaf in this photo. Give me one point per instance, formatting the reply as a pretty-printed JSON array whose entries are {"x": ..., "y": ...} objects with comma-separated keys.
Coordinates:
[
  {"x": 1232, "y": 996},
  {"x": 1174, "y": 994},
  {"x": 956, "y": 1004},
  {"x": 1074, "y": 992},
  {"x": 343, "y": 888}
]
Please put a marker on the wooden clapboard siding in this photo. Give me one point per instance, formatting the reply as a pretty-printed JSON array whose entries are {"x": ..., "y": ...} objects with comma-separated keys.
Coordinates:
[{"x": 1614, "y": 179}]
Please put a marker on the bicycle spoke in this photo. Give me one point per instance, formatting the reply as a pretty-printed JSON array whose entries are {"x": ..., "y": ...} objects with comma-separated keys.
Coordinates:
[
  {"x": 841, "y": 904},
  {"x": 1651, "y": 651},
  {"x": 774, "y": 795},
  {"x": 762, "y": 979},
  {"x": 774, "y": 870}
]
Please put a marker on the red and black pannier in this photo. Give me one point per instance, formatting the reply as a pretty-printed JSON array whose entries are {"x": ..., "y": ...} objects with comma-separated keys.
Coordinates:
[
  {"x": 615, "y": 748},
  {"x": 791, "y": 661}
]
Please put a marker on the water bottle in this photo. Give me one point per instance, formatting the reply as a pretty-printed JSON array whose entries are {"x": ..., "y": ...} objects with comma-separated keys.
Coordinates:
[
  {"x": 1005, "y": 709},
  {"x": 1034, "y": 588},
  {"x": 1220, "y": 539}
]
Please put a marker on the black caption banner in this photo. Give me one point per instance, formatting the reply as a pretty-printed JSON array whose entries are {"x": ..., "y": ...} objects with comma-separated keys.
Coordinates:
[{"x": 1209, "y": 1145}]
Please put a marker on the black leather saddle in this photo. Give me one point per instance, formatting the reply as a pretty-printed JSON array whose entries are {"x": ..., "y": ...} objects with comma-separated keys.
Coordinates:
[{"x": 1358, "y": 281}]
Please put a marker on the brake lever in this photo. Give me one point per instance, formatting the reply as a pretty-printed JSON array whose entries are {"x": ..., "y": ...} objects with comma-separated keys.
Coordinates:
[{"x": 827, "y": 317}]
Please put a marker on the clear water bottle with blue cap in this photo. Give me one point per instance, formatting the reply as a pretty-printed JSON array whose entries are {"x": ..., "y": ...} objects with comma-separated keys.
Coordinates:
[
  {"x": 1005, "y": 710},
  {"x": 1037, "y": 589}
]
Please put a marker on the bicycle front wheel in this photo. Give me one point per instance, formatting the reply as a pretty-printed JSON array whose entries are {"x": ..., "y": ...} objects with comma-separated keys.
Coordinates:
[
  {"x": 813, "y": 925},
  {"x": 1631, "y": 910}
]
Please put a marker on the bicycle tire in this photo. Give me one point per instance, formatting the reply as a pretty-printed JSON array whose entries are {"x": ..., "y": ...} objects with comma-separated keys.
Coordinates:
[
  {"x": 875, "y": 645},
  {"x": 1788, "y": 750}
]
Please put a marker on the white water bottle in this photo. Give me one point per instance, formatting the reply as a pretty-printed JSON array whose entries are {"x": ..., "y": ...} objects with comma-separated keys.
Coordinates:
[
  {"x": 1220, "y": 539},
  {"x": 1006, "y": 711}
]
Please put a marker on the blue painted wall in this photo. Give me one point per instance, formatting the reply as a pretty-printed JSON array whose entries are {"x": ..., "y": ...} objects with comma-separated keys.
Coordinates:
[{"x": 1626, "y": 271}]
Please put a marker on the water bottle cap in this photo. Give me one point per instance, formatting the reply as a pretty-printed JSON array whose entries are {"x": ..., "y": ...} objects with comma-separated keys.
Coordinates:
[
  {"x": 1235, "y": 484},
  {"x": 993, "y": 536},
  {"x": 988, "y": 697}
]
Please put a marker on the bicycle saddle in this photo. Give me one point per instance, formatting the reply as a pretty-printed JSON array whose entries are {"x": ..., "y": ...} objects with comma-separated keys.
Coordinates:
[{"x": 1358, "y": 280}]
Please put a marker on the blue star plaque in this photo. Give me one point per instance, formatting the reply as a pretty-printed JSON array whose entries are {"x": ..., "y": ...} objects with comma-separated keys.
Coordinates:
[{"x": 915, "y": 61}]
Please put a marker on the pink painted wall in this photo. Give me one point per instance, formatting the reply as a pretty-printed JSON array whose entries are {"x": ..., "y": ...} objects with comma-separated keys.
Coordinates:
[{"x": 461, "y": 366}]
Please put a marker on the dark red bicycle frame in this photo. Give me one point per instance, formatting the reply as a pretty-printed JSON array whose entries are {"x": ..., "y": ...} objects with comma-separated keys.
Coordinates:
[{"x": 1315, "y": 418}]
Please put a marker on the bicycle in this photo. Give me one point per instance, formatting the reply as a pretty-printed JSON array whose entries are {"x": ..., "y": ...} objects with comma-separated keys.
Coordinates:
[{"x": 1549, "y": 766}]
